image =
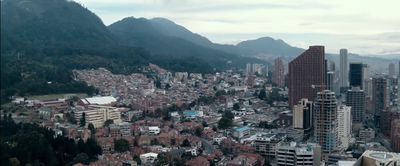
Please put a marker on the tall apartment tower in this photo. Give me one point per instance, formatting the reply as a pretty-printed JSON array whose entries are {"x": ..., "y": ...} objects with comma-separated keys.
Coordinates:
[
  {"x": 325, "y": 121},
  {"x": 395, "y": 135},
  {"x": 392, "y": 70},
  {"x": 344, "y": 126},
  {"x": 355, "y": 99},
  {"x": 343, "y": 80},
  {"x": 302, "y": 116},
  {"x": 307, "y": 70},
  {"x": 278, "y": 76},
  {"x": 379, "y": 97},
  {"x": 356, "y": 75},
  {"x": 248, "y": 69},
  {"x": 330, "y": 80}
]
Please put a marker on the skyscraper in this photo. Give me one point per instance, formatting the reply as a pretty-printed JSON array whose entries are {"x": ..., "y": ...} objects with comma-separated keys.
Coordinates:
[
  {"x": 343, "y": 81},
  {"x": 356, "y": 75},
  {"x": 395, "y": 135},
  {"x": 325, "y": 121},
  {"x": 307, "y": 70},
  {"x": 344, "y": 126},
  {"x": 379, "y": 97},
  {"x": 355, "y": 99},
  {"x": 392, "y": 70},
  {"x": 330, "y": 78},
  {"x": 302, "y": 116},
  {"x": 278, "y": 76}
]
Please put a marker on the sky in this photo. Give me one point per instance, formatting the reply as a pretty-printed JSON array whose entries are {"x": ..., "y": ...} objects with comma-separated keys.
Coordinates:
[{"x": 362, "y": 26}]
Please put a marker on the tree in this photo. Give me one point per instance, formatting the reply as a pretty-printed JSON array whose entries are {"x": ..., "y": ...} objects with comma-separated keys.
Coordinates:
[
  {"x": 185, "y": 143},
  {"x": 121, "y": 145},
  {"x": 262, "y": 95},
  {"x": 236, "y": 106},
  {"x": 226, "y": 121},
  {"x": 173, "y": 141},
  {"x": 83, "y": 120},
  {"x": 81, "y": 158},
  {"x": 167, "y": 86},
  {"x": 108, "y": 122},
  {"x": 91, "y": 128},
  {"x": 198, "y": 132},
  {"x": 137, "y": 159},
  {"x": 161, "y": 160},
  {"x": 71, "y": 118},
  {"x": 158, "y": 83}
]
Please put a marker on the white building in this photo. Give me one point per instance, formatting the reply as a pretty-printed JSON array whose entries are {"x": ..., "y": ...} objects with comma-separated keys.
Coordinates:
[
  {"x": 148, "y": 158},
  {"x": 298, "y": 154},
  {"x": 99, "y": 100},
  {"x": 344, "y": 126},
  {"x": 97, "y": 114},
  {"x": 370, "y": 157},
  {"x": 154, "y": 130}
]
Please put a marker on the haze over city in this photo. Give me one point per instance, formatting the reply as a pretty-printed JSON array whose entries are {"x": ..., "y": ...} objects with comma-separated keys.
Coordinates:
[
  {"x": 365, "y": 27},
  {"x": 199, "y": 83}
]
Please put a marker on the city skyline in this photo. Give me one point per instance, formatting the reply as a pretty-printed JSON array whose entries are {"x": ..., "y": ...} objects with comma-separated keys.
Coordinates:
[{"x": 335, "y": 24}]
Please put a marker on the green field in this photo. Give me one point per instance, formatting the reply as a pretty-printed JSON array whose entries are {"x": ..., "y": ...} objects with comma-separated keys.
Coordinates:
[{"x": 56, "y": 96}]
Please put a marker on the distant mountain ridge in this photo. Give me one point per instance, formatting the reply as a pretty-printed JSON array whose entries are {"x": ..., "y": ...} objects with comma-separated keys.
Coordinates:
[{"x": 43, "y": 40}]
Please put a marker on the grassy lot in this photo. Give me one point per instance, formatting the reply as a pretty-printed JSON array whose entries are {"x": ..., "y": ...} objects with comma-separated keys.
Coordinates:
[{"x": 56, "y": 96}]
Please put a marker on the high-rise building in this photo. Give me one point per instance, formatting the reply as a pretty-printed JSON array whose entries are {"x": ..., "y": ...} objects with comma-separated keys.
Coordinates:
[
  {"x": 393, "y": 90},
  {"x": 399, "y": 70},
  {"x": 302, "y": 116},
  {"x": 307, "y": 70},
  {"x": 343, "y": 81},
  {"x": 379, "y": 97},
  {"x": 355, "y": 99},
  {"x": 248, "y": 69},
  {"x": 278, "y": 76},
  {"x": 325, "y": 121},
  {"x": 356, "y": 75},
  {"x": 392, "y": 70},
  {"x": 365, "y": 77},
  {"x": 344, "y": 126},
  {"x": 330, "y": 78},
  {"x": 395, "y": 135}
]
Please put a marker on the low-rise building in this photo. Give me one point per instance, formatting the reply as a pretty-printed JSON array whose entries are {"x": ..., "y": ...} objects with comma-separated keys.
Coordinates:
[
  {"x": 97, "y": 115},
  {"x": 265, "y": 143},
  {"x": 148, "y": 158},
  {"x": 298, "y": 154},
  {"x": 380, "y": 158},
  {"x": 240, "y": 132}
]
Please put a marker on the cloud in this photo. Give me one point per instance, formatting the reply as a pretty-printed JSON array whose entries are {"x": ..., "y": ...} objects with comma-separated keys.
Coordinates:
[{"x": 364, "y": 26}]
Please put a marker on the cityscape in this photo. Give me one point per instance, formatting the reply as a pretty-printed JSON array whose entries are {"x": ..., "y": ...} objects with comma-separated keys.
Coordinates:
[{"x": 150, "y": 92}]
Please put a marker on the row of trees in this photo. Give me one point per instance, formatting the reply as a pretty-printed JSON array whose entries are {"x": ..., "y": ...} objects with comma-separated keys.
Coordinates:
[{"x": 24, "y": 143}]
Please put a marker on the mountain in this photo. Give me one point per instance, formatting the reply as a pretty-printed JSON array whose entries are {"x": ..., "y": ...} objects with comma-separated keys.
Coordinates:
[
  {"x": 169, "y": 28},
  {"x": 166, "y": 40},
  {"x": 267, "y": 46},
  {"x": 43, "y": 40}
]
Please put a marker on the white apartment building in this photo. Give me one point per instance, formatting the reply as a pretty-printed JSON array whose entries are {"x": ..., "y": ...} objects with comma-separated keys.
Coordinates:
[
  {"x": 344, "y": 126},
  {"x": 148, "y": 158},
  {"x": 97, "y": 114}
]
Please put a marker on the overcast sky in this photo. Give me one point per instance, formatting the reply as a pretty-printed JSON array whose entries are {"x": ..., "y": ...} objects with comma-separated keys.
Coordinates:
[{"x": 362, "y": 26}]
